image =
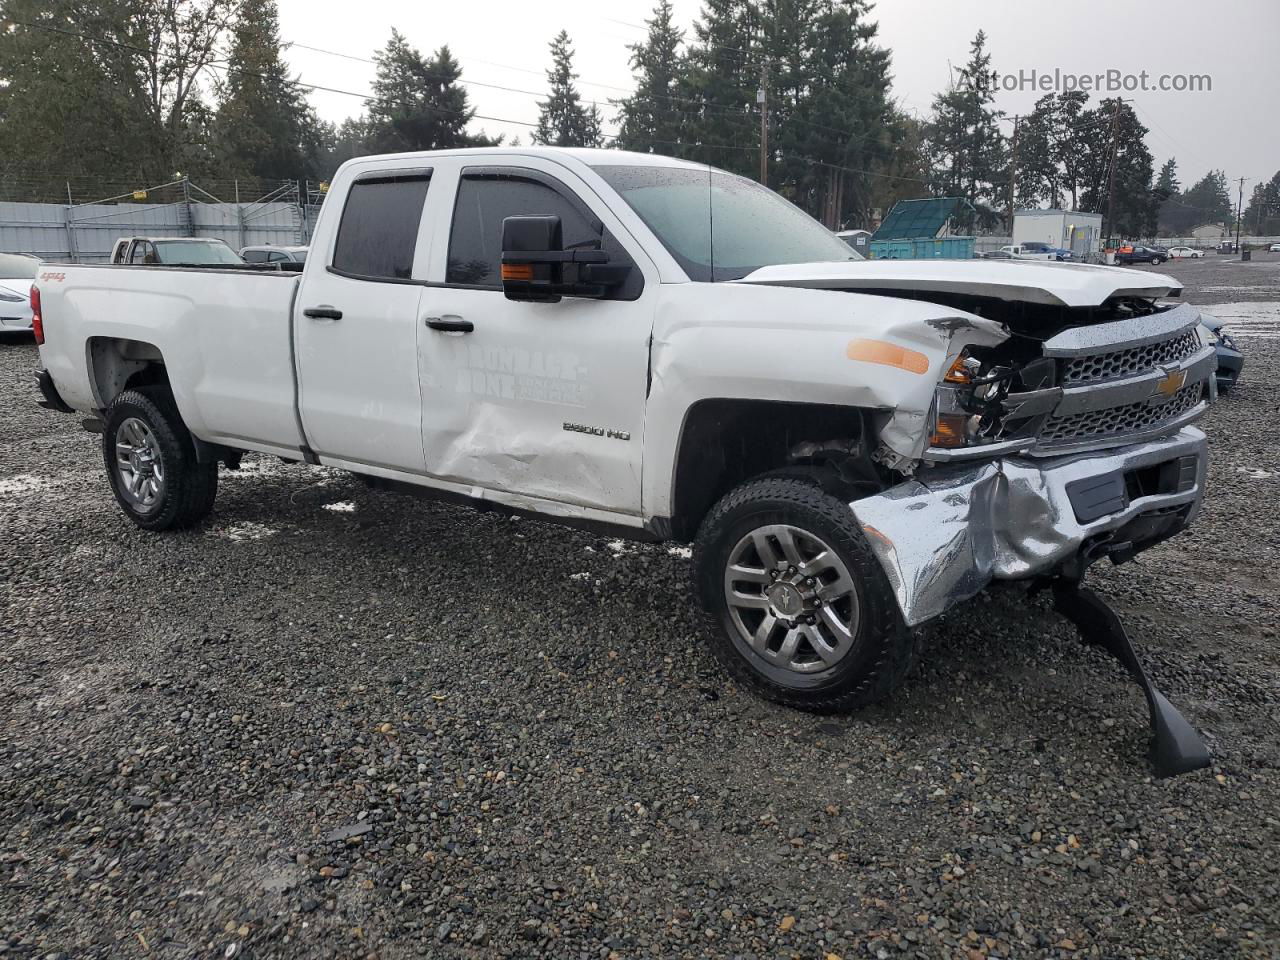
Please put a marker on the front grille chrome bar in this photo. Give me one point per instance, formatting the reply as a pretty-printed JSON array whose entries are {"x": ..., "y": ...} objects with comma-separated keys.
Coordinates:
[{"x": 1106, "y": 338}]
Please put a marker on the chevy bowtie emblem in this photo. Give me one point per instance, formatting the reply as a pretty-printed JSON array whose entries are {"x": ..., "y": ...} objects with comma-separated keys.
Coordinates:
[{"x": 1171, "y": 384}]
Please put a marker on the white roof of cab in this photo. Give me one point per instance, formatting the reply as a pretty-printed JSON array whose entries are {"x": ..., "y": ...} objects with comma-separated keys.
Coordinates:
[{"x": 588, "y": 155}]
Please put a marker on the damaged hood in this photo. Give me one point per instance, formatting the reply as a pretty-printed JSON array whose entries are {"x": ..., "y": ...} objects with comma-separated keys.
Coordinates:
[{"x": 1026, "y": 281}]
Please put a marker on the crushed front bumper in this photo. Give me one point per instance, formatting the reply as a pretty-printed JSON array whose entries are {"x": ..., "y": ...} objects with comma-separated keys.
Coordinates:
[{"x": 944, "y": 535}]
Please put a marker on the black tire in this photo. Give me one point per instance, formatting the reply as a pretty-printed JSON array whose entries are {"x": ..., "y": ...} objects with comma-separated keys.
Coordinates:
[
  {"x": 882, "y": 651},
  {"x": 189, "y": 486}
]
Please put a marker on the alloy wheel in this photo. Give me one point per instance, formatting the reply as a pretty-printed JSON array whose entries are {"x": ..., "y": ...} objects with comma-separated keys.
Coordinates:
[
  {"x": 139, "y": 464},
  {"x": 791, "y": 599}
]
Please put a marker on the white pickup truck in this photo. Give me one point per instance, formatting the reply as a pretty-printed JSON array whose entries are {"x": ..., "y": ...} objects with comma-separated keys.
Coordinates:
[{"x": 668, "y": 352}]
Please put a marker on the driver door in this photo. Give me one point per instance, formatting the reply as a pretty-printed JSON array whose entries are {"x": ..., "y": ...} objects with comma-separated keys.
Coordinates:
[{"x": 540, "y": 400}]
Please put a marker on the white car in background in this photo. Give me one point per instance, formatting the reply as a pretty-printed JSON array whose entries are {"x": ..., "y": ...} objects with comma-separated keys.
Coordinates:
[
  {"x": 17, "y": 270},
  {"x": 174, "y": 252},
  {"x": 269, "y": 254},
  {"x": 1184, "y": 253},
  {"x": 1274, "y": 248}
]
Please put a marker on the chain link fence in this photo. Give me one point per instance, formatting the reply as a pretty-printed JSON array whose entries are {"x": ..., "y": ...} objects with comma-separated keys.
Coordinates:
[{"x": 83, "y": 225}]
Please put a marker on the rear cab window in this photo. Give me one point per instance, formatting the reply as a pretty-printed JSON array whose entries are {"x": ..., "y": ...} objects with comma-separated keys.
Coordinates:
[{"x": 378, "y": 232}]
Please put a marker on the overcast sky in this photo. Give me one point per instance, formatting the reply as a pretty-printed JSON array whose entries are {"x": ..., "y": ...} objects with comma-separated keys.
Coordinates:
[{"x": 1233, "y": 127}]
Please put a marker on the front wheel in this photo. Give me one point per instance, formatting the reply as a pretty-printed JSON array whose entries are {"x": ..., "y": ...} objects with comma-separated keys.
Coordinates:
[
  {"x": 151, "y": 462},
  {"x": 795, "y": 605}
]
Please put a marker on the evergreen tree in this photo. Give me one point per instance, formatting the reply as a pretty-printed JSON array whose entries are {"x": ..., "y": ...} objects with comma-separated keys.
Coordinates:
[
  {"x": 122, "y": 97},
  {"x": 1209, "y": 200},
  {"x": 1262, "y": 216},
  {"x": 903, "y": 174},
  {"x": 59, "y": 118},
  {"x": 650, "y": 119},
  {"x": 346, "y": 141},
  {"x": 563, "y": 120},
  {"x": 418, "y": 102},
  {"x": 1117, "y": 129},
  {"x": 723, "y": 74},
  {"x": 1167, "y": 182},
  {"x": 966, "y": 144},
  {"x": 830, "y": 112},
  {"x": 264, "y": 126},
  {"x": 1037, "y": 173},
  {"x": 1172, "y": 216},
  {"x": 1052, "y": 140}
]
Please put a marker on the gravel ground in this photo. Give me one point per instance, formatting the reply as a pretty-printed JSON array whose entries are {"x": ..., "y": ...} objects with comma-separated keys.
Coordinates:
[{"x": 340, "y": 723}]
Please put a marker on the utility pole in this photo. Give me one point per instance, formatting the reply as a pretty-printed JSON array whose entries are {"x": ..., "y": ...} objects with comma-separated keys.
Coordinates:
[
  {"x": 1239, "y": 217},
  {"x": 762, "y": 99},
  {"x": 1111, "y": 177},
  {"x": 1013, "y": 171}
]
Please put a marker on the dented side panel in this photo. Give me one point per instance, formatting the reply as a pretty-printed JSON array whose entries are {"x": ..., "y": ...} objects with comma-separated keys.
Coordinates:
[
  {"x": 735, "y": 341},
  {"x": 539, "y": 400}
]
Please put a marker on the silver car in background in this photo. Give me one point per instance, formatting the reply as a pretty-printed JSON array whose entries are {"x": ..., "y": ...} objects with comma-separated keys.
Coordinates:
[{"x": 270, "y": 254}]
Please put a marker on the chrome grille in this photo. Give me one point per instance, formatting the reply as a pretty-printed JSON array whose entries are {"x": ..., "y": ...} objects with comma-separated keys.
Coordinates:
[
  {"x": 1125, "y": 363},
  {"x": 1117, "y": 421}
]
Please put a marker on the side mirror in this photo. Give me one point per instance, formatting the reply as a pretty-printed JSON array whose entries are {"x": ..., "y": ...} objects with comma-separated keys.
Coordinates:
[{"x": 536, "y": 267}]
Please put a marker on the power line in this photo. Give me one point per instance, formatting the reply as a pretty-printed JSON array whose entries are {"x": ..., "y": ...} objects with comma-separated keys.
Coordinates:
[
  {"x": 466, "y": 114},
  {"x": 292, "y": 83},
  {"x": 666, "y": 98}
]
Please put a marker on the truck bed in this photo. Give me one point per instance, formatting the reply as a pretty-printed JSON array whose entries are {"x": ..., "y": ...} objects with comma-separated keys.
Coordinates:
[{"x": 223, "y": 333}]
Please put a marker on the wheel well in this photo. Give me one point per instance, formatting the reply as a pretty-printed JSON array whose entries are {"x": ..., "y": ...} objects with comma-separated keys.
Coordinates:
[
  {"x": 724, "y": 442},
  {"x": 118, "y": 364}
]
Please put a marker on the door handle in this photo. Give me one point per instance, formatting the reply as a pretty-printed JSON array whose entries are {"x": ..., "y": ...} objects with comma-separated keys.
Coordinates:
[
  {"x": 449, "y": 324},
  {"x": 322, "y": 312}
]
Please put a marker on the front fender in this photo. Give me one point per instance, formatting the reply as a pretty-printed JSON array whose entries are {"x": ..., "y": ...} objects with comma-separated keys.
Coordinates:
[{"x": 731, "y": 341}]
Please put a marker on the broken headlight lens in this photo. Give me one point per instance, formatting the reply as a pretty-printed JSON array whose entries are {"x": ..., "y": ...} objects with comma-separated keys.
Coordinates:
[
  {"x": 967, "y": 403},
  {"x": 953, "y": 424}
]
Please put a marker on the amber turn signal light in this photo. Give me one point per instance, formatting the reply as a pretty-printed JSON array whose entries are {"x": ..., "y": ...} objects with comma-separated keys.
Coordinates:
[
  {"x": 949, "y": 431},
  {"x": 959, "y": 372},
  {"x": 889, "y": 354},
  {"x": 517, "y": 271}
]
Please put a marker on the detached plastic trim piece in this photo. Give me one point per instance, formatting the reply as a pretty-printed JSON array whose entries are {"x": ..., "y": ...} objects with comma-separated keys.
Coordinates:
[
  {"x": 49, "y": 393},
  {"x": 1175, "y": 745}
]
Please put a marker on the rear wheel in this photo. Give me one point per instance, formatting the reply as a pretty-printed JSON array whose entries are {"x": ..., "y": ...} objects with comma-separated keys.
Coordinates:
[
  {"x": 151, "y": 462},
  {"x": 795, "y": 604}
]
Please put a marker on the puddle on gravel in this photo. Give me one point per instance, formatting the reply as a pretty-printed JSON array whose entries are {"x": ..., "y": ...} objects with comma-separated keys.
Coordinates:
[
  {"x": 1258, "y": 319},
  {"x": 245, "y": 531},
  {"x": 255, "y": 466},
  {"x": 24, "y": 483},
  {"x": 1234, "y": 288}
]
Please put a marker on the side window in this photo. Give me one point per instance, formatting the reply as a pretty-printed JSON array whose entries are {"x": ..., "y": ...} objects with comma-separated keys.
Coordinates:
[
  {"x": 379, "y": 227},
  {"x": 485, "y": 200},
  {"x": 139, "y": 253},
  {"x": 255, "y": 256},
  {"x": 277, "y": 257},
  {"x": 475, "y": 241}
]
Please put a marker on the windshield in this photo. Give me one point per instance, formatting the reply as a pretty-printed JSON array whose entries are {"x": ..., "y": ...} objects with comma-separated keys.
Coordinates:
[
  {"x": 719, "y": 226},
  {"x": 16, "y": 267},
  {"x": 213, "y": 254}
]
